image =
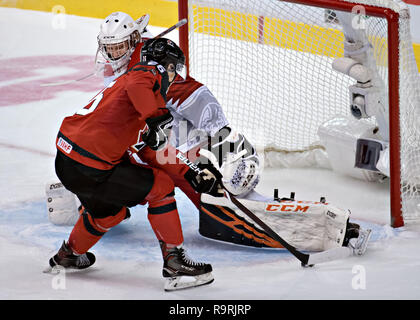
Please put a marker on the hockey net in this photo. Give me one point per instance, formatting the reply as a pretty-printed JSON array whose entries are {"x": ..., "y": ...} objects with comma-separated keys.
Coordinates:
[{"x": 268, "y": 63}]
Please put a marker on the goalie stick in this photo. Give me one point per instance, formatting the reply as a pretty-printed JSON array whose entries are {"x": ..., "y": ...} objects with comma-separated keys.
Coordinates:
[
  {"x": 180, "y": 23},
  {"x": 307, "y": 260}
]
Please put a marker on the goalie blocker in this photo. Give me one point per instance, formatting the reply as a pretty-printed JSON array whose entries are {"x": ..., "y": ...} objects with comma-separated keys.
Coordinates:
[{"x": 306, "y": 225}]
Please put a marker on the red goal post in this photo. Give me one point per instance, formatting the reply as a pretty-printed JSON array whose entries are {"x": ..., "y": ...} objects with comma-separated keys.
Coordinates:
[{"x": 371, "y": 8}]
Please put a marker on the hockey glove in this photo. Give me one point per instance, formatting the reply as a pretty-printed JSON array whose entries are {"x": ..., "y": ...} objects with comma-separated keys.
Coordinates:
[
  {"x": 235, "y": 158},
  {"x": 205, "y": 179},
  {"x": 156, "y": 137}
]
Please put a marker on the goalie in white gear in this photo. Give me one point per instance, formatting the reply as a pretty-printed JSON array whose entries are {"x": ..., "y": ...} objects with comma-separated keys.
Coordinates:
[{"x": 118, "y": 37}]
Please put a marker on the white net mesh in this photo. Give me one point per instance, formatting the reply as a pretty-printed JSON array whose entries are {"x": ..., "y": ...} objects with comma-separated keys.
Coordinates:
[
  {"x": 268, "y": 63},
  {"x": 409, "y": 125},
  {"x": 260, "y": 84}
]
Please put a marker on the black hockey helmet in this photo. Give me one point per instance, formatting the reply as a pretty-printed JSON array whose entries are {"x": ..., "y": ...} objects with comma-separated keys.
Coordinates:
[{"x": 163, "y": 51}]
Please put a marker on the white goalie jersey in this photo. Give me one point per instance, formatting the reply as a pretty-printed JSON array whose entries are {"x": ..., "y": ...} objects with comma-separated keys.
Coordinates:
[{"x": 197, "y": 113}]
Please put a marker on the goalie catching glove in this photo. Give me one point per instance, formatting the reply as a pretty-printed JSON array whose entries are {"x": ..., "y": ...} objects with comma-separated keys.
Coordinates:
[
  {"x": 235, "y": 158},
  {"x": 156, "y": 136}
]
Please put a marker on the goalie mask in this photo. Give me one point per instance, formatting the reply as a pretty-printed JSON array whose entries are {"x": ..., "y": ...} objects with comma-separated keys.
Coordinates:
[{"x": 118, "y": 37}]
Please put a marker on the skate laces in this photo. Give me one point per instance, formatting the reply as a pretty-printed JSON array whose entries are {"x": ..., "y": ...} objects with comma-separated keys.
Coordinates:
[
  {"x": 82, "y": 260},
  {"x": 187, "y": 259}
]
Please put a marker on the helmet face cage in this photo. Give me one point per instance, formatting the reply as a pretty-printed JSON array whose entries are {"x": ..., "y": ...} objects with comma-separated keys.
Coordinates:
[
  {"x": 115, "y": 49},
  {"x": 116, "y": 54}
]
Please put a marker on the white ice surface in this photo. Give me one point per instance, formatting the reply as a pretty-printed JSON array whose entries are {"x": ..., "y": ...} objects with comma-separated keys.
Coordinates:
[{"x": 128, "y": 257}]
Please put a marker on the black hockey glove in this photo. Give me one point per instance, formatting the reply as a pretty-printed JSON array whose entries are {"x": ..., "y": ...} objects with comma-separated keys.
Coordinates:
[
  {"x": 205, "y": 179},
  {"x": 156, "y": 136}
]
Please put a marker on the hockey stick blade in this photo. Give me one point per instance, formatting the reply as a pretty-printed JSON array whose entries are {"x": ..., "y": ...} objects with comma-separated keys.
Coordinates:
[{"x": 329, "y": 255}]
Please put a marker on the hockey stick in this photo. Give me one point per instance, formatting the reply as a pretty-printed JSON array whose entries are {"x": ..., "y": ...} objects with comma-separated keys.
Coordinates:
[
  {"x": 307, "y": 260},
  {"x": 302, "y": 257},
  {"x": 180, "y": 23},
  {"x": 60, "y": 83}
]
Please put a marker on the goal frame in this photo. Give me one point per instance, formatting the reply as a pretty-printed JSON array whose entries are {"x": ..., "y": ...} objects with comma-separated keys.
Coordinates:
[{"x": 392, "y": 18}]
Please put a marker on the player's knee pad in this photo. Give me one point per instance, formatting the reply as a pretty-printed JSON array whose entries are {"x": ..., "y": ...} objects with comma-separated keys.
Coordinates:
[
  {"x": 111, "y": 221},
  {"x": 88, "y": 230},
  {"x": 98, "y": 226}
]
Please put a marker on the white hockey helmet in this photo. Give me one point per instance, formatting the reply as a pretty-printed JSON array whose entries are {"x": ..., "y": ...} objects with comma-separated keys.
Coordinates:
[{"x": 118, "y": 37}]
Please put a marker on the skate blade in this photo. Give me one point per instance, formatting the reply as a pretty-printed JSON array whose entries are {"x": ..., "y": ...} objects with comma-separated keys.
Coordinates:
[
  {"x": 181, "y": 283},
  {"x": 53, "y": 270}
]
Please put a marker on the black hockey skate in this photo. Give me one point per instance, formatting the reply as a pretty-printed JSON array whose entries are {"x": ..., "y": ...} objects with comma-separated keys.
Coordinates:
[
  {"x": 356, "y": 238},
  {"x": 352, "y": 231},
  {"x": 176, "y": 264},
  {"x": 67, "y": 259}
]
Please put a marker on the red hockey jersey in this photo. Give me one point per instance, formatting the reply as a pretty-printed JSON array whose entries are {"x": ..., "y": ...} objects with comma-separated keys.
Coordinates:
[
  {"x": 100, "y": 134},
  {"x": 180, "y": 89}
]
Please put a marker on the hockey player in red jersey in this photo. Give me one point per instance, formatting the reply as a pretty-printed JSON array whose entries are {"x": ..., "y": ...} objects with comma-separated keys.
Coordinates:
[
  {"x": 198, "y": 121},
  {"x": 91, "y": 162},
  {"x": 200, "y": 125},
  {"x": 197, "y": 113}
]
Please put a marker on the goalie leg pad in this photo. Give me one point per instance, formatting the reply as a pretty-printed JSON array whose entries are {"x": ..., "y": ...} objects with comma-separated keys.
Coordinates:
[
  {"x": 312, "y": 226},
  {"x": 222, "y": 223}
]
